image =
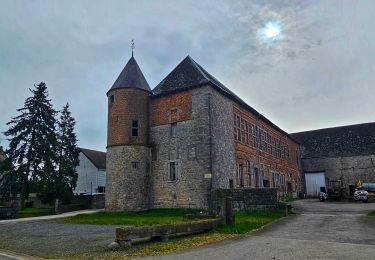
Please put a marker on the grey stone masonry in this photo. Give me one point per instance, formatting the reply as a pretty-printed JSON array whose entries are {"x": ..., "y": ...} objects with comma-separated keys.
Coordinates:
[
  {"x": 245, "y": 199},
  {"x": 202, "y": 149},
  {"x": 350, "y": 169},
  {"x": 127, "y": 178},
  {"x": 223, "y": 153}
]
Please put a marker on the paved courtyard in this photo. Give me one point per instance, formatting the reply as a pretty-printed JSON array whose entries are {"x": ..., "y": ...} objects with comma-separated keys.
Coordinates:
[{"x": 328, "y": 230}]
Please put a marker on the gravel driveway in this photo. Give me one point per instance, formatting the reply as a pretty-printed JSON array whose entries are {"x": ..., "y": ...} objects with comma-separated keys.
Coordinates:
[
  {"x": 49, "y": 238},
  {"x": 323, "y": 230}
]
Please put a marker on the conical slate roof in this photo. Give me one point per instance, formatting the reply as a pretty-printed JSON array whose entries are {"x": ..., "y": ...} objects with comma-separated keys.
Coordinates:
[
  {"x": 188, "y": 74},
  {"x": 131, "y": 77}
]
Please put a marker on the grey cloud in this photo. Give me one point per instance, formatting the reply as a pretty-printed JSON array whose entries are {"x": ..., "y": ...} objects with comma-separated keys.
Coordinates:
[{"x": 320, "y": 74}]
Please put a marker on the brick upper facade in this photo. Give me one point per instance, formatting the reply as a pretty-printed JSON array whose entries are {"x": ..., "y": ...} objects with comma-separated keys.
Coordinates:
[
  {"x": 167, "y": 109},
  {"x": 265, "y": 156},
  {"x": 194, "y": 135},
  {"x": 124, "y": 106}
]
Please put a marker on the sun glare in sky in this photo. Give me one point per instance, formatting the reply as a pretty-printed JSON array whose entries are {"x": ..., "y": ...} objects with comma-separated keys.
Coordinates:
[{"x": 271, "y": 32}]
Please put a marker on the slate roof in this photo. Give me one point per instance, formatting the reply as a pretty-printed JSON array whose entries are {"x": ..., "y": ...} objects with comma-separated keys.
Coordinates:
[
  {"x": 131, "y": 77},
  {"x": 351, "y": 140},
  {"x": 96, "y": 157},
  {"x": 189, "y": 74}
]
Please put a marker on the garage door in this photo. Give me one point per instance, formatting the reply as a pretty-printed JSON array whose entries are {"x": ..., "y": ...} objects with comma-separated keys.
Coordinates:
[{"x": 313, "y": 183}]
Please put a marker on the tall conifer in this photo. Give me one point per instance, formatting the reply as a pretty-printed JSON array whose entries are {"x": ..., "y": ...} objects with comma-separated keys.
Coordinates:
[
  {"x": 62, "y": 183},
  {"x": 32, "y": 142}
]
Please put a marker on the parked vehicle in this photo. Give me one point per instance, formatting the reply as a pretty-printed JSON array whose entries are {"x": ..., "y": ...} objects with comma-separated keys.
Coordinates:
[
  {"x": 368, "y": 186},
  {"x": 361, "y": 195},
  {"x": 364, "y": 191},
  {"x": 323, "y": 196},
  {"x": 335, "y": 189}
]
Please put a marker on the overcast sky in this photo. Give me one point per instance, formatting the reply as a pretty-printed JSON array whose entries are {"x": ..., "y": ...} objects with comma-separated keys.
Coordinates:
[{"x": 318, "y": 73}]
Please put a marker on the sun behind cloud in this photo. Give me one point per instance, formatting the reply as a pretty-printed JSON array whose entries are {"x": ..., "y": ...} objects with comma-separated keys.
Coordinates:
[{"x": 271, "y": 32}]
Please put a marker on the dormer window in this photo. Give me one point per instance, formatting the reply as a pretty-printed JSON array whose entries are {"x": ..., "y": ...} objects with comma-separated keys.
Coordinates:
[{"x": 135, "y": 128}]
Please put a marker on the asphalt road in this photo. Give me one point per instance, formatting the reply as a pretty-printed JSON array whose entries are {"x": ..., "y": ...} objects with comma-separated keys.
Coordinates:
[{"x": 322, "y": 230}]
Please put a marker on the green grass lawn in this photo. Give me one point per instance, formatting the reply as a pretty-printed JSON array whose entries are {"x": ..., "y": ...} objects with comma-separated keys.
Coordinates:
[
  {"x": 372, "y": 213},
  {"x": 246, "y": 221},
  {"x": 140, "y": 218},
  {"x": 34, "y": 212}
]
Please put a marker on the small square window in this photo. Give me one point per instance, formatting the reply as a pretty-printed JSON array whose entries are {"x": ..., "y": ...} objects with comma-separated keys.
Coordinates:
[
  {"x": 174, "y": 115},
  {"x": 172, "y": 171},
  {"x": 135, "y": 165},
  {"x": 231, "y": 186},
  {"x": 135, "y": 128}
]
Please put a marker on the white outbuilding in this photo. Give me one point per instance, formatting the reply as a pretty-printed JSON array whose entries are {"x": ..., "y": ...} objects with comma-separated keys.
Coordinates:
[{"x": 91, "y": 172}]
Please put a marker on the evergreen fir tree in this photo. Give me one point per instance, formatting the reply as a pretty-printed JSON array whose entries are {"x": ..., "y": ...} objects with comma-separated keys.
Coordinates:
[
  {"x": 9, "y": 180},
  {"x": 32, "y": 143},
  {"x": 64, "y": 181}
]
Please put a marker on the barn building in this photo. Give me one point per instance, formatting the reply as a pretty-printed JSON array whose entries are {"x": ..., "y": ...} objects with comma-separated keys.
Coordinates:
[
  {"x": 91, "y": 172},
  {"x": 170, "y": 146},
  {"x": 345, "y": 154}
]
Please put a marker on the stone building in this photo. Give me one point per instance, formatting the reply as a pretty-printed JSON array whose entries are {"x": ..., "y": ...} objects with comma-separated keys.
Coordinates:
[
  {"x": 344, "y": 153},
  {"x": 170, "y": 146}
]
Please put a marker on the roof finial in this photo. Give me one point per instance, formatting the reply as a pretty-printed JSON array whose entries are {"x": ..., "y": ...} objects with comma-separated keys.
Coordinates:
[{"x": 132, "y": 46}]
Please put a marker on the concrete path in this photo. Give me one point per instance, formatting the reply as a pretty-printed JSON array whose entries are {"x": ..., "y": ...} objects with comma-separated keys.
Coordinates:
[
  {"x": 63, "y": 215},
  {"x": 5, "y": 255},
  {"x": 323, "y": 230}
]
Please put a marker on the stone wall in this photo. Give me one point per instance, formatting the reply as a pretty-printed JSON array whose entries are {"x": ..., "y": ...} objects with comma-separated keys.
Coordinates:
[
  {"x": 223, "y": 150},
  {"x": 202, "y": 148},
  {"x": 350, "y": 169},
  {"x": 245, "y": 199},
  {"x": 190, "y": 150},
  {"x": 127, "y": 187},
  {"x": 8, "y": 212}
]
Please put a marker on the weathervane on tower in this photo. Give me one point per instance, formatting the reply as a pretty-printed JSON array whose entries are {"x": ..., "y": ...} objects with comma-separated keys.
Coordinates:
[{"x": 132, "y": 46}]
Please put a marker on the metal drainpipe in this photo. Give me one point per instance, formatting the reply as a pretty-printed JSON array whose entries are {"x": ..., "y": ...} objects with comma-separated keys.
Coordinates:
[
  {"x": 210, "y": 138},
  {"x": 260, "y": 183}
]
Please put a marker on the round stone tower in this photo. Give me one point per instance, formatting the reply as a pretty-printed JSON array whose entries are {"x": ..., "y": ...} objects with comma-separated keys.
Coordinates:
[{"x": 127, "y": 141}]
